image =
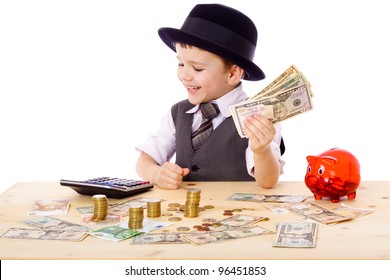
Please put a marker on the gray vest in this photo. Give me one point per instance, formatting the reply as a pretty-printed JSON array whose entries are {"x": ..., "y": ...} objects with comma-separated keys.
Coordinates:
[{"x": 220, "y": 158}]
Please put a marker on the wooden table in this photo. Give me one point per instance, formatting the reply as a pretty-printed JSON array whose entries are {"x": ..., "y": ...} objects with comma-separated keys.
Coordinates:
[{"x": 366, "y": 237}]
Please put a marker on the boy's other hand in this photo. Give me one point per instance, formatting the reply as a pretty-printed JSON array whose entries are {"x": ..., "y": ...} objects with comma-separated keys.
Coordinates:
[{"x": 170, "y": 176}]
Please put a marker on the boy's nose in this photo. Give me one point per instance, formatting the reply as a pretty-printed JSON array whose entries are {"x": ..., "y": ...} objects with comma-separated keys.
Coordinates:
[{"x": 184, "y": 75}]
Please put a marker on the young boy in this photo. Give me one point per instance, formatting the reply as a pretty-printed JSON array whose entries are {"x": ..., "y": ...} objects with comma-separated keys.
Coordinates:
[{"x": 215, "y": 48}]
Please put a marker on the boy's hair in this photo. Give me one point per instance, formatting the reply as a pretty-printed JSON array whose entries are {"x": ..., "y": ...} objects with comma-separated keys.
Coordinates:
[{"x": 228, "y": 64}]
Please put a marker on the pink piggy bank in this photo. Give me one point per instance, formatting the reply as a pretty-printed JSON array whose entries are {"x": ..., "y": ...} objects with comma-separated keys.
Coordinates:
[{"x": 334, "y": 173}]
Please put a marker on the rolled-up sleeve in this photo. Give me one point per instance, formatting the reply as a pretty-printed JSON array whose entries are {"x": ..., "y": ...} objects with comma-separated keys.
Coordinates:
[{"x": 161, "y": 145}]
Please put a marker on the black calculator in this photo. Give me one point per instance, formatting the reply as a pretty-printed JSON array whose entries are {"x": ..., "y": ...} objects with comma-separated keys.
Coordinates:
[{"x": 109, "y": 186}]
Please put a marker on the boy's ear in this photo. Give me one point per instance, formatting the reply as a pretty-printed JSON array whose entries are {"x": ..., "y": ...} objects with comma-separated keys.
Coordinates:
[{"x": 236, "y": 73}]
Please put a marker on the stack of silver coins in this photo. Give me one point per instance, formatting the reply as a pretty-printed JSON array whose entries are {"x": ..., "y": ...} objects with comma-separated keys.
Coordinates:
[
  {"x": 136, "y": 216},
  {"x": 153, "y": 208},
  {"x": 100, "y": 206},
  {"x": 192, "y": 203}
]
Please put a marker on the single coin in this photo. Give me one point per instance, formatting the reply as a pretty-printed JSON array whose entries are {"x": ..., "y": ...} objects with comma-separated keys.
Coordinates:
[
  {"x": 217, "y": 224},
  {"x": 208, "y": 206},
  {"x": 265, "y": 219},
  {"x": 203, "y": 229},
  {"x": 166, "y": 214},
  {"x": 209, "y": 220},
  {"x": 228, "y": 214},
  {"x": 183, "y": 229},
  {"x": 237, "y": 210},
  {"x": 173, "y": 204},
  {"x": 174, "y": 219},
  {"x": 207, "y": 224},
  {"x": 171, "y": 209}
]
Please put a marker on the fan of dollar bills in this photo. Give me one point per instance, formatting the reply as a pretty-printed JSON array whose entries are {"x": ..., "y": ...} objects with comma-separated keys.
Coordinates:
[{"x": 288, "y": 95}]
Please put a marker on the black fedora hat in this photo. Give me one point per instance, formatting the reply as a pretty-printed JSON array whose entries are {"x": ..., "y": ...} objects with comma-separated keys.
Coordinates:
[{"x": 221, "y": 30}]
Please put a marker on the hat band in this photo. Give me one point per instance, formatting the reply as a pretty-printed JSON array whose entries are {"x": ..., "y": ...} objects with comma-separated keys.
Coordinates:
[{"x": 219, "y": 35}]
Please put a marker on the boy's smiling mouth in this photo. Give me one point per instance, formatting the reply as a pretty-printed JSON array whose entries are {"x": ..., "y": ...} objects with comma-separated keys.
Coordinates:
[{"x": 193, "y": 89}]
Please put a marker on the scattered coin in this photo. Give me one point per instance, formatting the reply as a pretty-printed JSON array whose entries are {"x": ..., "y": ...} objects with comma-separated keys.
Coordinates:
[
  {"x": 173, "y": 204},
  {"x": 208, "y": 206},
  {"x": 166, "y": 214},
  {"x": 209, "y": 220},
  {"x": 174, "y": 219},
  {"x": 183, "y": 229}
]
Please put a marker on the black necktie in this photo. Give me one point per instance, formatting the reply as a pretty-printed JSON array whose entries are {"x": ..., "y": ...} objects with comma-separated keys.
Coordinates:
[{"x": 209, "y": 111}]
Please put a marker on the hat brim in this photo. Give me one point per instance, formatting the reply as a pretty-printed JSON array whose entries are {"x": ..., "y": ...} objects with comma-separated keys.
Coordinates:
[{"x": 170, "y": 36}]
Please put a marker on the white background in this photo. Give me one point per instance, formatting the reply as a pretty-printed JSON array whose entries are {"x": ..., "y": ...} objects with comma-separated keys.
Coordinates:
[{"x": 83, "y": 82}]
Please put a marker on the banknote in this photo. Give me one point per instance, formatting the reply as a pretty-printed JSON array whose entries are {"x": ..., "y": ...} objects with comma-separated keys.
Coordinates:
[
  {"x": 276, "y": 108},
  {"x": 267, "y": 197},
  {"x": 89, "y": 209},
  {"x": 285, "y": 76},
  {"x": 316, "y": 212},
  {"x": 50, "y": 207},
  {"x": 50, "y": 223},
  {"x": 109, "y": 220},
  {"x": 63, "y": 235},
  {"x": 352, "y": 212},
  {"x": 292, "y": 77},
  {"x": 226, "y": 235},
  {"x": 302, "y": 235},
  {"x": 240, "y": 220},
  {"x": 158, "y": 238},
  {"x": 122, "y": 209},
  {"x": 121, "y": 231},
  {"x": 113, "y": 233}
]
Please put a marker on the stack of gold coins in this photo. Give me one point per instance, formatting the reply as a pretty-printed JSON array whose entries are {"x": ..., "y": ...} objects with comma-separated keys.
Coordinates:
[
  {"x": 153, "y": 208},
  {"x": 136, "y": 216},
  {"x": 100, "y": 206},
  {"x": 192, "y": 203}
]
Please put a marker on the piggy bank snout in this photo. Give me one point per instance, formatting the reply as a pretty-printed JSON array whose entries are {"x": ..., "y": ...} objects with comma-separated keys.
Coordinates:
[{"x": 311, "y": 180}]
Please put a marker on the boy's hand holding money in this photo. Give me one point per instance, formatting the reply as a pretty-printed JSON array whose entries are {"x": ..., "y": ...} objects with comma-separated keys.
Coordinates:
[{"x": 260, "y": 132}]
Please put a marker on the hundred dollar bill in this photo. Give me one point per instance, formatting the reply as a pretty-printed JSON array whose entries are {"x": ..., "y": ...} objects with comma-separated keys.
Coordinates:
[
  {"x": 276, "y": 108},
  {"x": 296, "y": 235},
  {"x": 50, "y": 223},
  {"x": 226, "y": 235},
  {"x": 26, "y": 233},
  {"x": 316, "y": 212},
  {"x": 267, "y": 197}
]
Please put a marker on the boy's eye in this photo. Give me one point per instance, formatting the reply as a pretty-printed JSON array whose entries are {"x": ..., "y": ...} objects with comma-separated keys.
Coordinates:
[
  {"x": 180, "y": 64},
  {"x": 198, "y": 69}
]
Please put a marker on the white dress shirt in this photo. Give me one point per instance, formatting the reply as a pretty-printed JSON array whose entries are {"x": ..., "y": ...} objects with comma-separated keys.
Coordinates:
[{"x": 161, "y": 145}]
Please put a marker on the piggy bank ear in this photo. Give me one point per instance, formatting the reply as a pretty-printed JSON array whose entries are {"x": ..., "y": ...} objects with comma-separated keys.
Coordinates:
[
  {"x": 310, "y": 159},
  {"x": 329, "y": 160}
]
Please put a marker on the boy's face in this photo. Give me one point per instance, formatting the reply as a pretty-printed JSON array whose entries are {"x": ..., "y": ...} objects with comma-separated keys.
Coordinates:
[{"x": 204, "y": 75}]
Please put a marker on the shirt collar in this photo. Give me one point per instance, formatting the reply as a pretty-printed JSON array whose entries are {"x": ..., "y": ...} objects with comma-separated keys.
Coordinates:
[{"x": 224, "y": 102}]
